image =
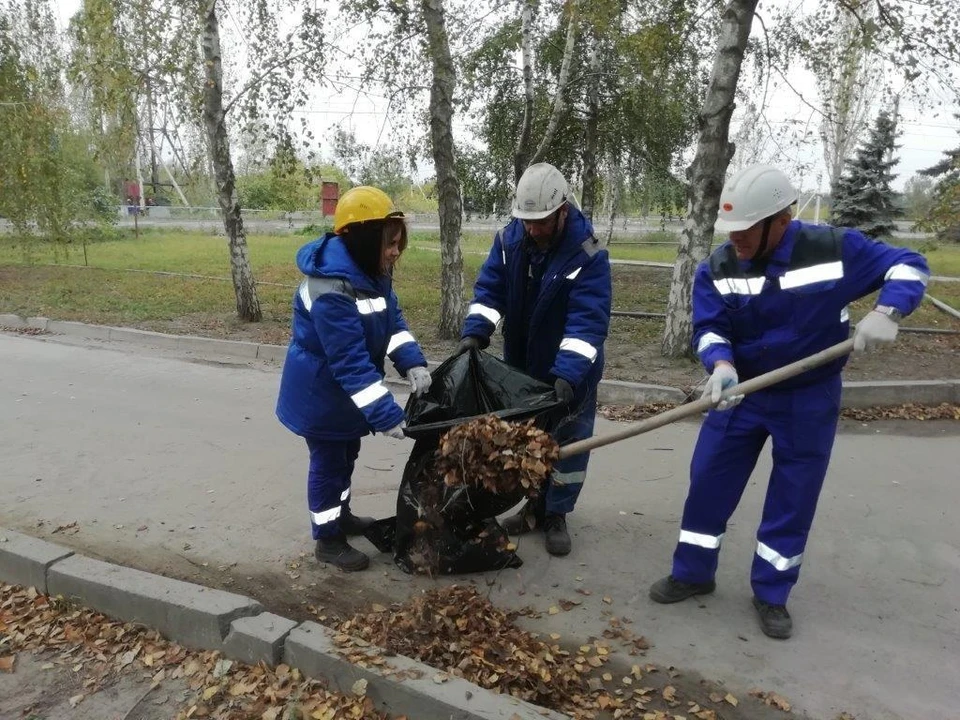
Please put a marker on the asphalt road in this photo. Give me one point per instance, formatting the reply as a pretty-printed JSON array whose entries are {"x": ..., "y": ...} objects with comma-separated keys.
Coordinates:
[{"x": 167, "y": 461}]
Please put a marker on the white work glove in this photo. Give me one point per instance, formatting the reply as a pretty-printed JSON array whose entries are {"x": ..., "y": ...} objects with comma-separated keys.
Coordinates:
[
  {"x": 724, "y": 375},
  {"x": 420, "y": 380},
  {"x": 875, "y": 329},
  {"x": 396, "y": 432}
]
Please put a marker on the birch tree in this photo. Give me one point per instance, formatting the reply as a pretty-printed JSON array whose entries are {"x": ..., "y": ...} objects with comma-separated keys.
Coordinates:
[
  {"x": 707, "y": 171},
  {"x": 448, "y": 186},
  {"x": 181, "y": 44}
]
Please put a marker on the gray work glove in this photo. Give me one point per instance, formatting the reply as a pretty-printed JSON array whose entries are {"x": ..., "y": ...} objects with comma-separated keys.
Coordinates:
[
  {"x": 564, "y": 391},
  {"x": 420, "y": 380},
  {"x": 874, "y": 330},
  {"x": 468, "y": 343},
  {"x": 396, "y": 432},
  {"x": 724, "y": 375}
]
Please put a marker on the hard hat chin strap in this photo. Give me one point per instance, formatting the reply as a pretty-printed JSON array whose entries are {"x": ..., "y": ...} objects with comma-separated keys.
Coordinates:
[{"x": 764, "y": 240}]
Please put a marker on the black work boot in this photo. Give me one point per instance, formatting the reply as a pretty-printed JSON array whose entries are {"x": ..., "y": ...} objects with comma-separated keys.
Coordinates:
[
  {"x": 337, "y": 551},
  {"x": 670, "y": 590},
  {"x": 529, "y": 518},
  {"x": 775, "y": 621},
  {"x": 557, "y": 537},
  {"x": 351, "y": 524}
]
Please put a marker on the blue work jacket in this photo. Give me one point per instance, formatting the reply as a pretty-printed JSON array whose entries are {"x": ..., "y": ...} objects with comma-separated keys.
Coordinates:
[
  {"x": 570, "y": 316},
  {"x": 345, "y": 324},
  {"x": 762, "y": 316}
]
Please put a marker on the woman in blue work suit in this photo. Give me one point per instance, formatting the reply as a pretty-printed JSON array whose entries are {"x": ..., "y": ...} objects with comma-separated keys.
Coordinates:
[{"x": 346, "y": 322}]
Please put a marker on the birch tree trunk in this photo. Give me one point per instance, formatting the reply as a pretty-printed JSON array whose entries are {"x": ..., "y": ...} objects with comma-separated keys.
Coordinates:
[
  {"x": 558, "y": 100},
  {"x": 706, "y": 173},
  {"x": 248, "y": 304},
  {"x": 521, "y": 152},
  {"x": 591, "y": 134},
  {"x": 448, "y": 186}
]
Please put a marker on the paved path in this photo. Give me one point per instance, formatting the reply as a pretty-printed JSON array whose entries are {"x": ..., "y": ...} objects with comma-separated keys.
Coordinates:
[{"x": 167, "y": 461}]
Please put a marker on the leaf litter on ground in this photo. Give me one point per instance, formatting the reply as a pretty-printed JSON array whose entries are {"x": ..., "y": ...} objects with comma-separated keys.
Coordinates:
[
  {"x": 103, "y": 649},
  {"x": 907, "y": 411},
  {"x": 459, "y": 631}
]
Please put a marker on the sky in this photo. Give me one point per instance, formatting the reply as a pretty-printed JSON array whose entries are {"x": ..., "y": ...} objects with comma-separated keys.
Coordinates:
[{"x": 925, "y": 132}]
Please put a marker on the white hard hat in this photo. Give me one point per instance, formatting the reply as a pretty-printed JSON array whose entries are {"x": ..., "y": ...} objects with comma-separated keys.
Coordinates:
[
  {"x": 753, "y": 194},
  {"x": 541, "y": 190}
]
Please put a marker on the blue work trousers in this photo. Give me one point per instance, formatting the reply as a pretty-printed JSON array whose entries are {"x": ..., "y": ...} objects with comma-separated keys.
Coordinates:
[
  {"x": 802, "y": 423},
  {"x": 566, "y": 480},
  {"x": 328, "y": 483}
]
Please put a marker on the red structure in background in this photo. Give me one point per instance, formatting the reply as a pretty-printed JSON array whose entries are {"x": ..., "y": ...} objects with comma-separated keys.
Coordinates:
[{"x": 329, "y": 195}]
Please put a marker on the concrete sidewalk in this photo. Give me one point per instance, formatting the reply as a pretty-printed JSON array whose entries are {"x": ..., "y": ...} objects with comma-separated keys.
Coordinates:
[
  {"x": 857, "y": 394},
  {"x": 180, "y": 467}
]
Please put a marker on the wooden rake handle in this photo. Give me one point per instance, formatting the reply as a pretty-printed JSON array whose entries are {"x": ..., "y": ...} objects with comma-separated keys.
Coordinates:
[{"x": 697, "y": 407}]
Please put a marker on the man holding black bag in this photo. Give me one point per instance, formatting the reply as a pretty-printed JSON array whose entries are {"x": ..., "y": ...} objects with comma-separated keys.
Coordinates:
[{"x": 548, "y": 280}]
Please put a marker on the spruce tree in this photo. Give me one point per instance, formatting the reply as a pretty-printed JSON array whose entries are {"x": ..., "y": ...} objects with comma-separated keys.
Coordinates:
[
  {"x": 944, "y": 216},
  {"x": 862, "y": 198}
]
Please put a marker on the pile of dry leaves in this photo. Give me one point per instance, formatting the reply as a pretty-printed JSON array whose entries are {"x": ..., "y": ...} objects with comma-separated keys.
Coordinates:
[
  {"x": 23, "y": 330},
  {"x": 907, "y": 411},
  {"x": 496, "y": 455},
  {"x": 99, "y": 649},
  {"x": 459, "y": 631}
]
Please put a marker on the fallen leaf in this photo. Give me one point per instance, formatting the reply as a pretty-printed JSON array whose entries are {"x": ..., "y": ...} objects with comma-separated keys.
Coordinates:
[
  {"x": 6, "y": 663},
  {"x": 359, "y": 687},
  {"x": 553, "y": 610},
  {"x": 76, "y": 700},
  {"x": 607, "y": 600},
  {"x": 730, "y": 699},
  {"x": 670, "y": 693}
]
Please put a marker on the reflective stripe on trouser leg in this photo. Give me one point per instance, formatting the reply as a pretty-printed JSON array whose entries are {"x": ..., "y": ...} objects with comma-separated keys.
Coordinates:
[
  {"x": 328, "y": 483},
  {"x": 566, "y": 480},
  {"x": 726, "y": 452},
  {"x": 802, "y": 441}
]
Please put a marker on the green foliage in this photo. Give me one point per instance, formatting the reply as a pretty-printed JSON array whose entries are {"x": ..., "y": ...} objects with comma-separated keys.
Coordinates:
[
  {"x": 943, "y": 216},
  {"x": 863, "y": 197},
  {"x": 647, "y": 88},
  {"x": 917, "y": 198},
  {"x": 48, "y": 183}
]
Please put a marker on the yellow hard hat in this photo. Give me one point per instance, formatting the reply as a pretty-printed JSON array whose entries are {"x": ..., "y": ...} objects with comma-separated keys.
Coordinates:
[{"x": 361, "y": 204}]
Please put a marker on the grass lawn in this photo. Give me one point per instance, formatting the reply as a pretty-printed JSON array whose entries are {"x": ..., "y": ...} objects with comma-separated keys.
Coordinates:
[{"x": 122, "y": 285}]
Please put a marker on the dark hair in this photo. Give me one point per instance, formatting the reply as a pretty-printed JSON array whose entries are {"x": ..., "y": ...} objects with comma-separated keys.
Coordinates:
[{"x": 364, "y": 241}]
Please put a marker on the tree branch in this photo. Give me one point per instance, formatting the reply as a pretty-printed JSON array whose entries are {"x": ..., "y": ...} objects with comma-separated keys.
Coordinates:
[{"x": 558, "y": 100}]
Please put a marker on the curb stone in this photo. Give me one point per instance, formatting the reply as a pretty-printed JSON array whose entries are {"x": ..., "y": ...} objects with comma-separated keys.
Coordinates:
[
  {"x": 25, "y": 560},
  {"x": 311, "y": 648},
  {"x": 206, "y": 619},
  {"x": 189, "y": 614},
  {"x": 856, "y": 394}
]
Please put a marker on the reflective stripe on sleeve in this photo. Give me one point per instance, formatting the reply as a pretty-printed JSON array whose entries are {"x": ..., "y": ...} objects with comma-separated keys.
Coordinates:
[
  {"x": 345, "y": 495},
  {"x": 488, "y": 312},
  {"x": 711, "y": 339},
  {"x": 401, "y": 338},
  {"x": 780, "y": 562},
  {"x": 845, "y": 315},
  {"x": 369, "y": 394},
  {"x": 710, "y": 542},
  {"x": 573, "y": 275},
  {"x": 579, "y": 347},
  {"x": 906, "y": 272},
  {"x": 812, "y": 274}
]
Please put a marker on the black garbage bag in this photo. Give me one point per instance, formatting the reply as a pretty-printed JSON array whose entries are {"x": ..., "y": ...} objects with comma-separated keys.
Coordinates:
[{"x": 444, "y": 530}]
